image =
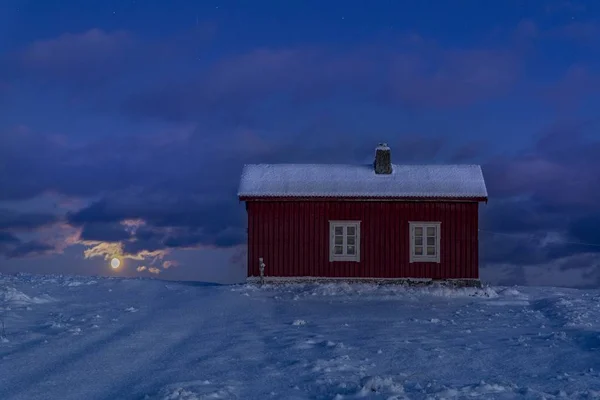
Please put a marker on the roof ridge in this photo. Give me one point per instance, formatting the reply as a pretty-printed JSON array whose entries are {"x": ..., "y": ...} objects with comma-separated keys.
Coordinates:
[{"x": 366, "y": 164}]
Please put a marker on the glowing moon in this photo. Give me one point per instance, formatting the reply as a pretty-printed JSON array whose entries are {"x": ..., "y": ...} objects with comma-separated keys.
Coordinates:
[{"x": 114, "y": 263}]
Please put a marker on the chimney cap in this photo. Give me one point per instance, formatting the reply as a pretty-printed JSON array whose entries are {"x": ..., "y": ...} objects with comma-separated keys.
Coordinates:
[{"x": 382, "y": 146}]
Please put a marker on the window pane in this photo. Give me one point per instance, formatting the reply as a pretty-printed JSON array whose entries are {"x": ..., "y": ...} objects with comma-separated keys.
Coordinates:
[
  {"x": 419, "y": 240},
  {"x": 431, "y": 231},
  {"x": 419, "y": 251},
  {"x": 339, "y": 240},
  {"x": 350, "y": 230},
  {"x": 430, "y": 241},
  {"x": 350, "y": 250},
  {"x": 338, "y": 250},
  {"x": 339, "y": 230},
  {"x": 430, "y": 251},
  {"x": 351, "y": 240},
  {"x": 418, "y": 231}
]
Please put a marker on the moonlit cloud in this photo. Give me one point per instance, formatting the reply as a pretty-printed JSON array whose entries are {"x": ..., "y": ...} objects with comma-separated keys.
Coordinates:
[
  {"x": 115, "y": 249},
  {"x": 132, "y": 225},
  {"x": 169, "y": 263}
]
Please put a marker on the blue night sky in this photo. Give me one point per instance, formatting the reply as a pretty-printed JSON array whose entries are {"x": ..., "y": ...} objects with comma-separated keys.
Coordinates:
[{"x": 124, "y": 124}]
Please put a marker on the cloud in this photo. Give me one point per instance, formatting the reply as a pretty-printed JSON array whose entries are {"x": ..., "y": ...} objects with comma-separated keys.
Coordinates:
[
  {"x": 586, "y": 229},
  {"x": 543, "y": 205},
  {"x": 540, "y": 199},
  {"x": 236, "y": 84},
  {"x": 469, "y": 152},
  {"x": 87, "y": 58},
  {"x": 15, "y": 221},
  {"x": 13, "y": 247},
  {"x": 169, "y": 263},
  {"x": 453, "y": 78},
  {"x": 560, "y": 169},
  {"x": 104, "y": 250},
  {"x": 132, "y": 225},
  {"x": 108, "y": 250},
  {"x": 30, "y": 249},
  {"x": 39, "y": 165},
  {"x": 160, "y": 219},
  {"x": 526, "y": 30},
  {"x": 96, "y": 64},
  {"x": 152, "y": 270},
  {"x": 518, "y": 215},
  {"x": 4, "y": 90},
  {"x": 565, "y": 7},
  {"x": 577, "y": 85},
  {"x": 14, "y": 224},
  {"x": 104, "y": 232},
  {"x": 422, "y": 78},
  {"x": 580, "y": 31},
  {"x": 6, "y": 237}
]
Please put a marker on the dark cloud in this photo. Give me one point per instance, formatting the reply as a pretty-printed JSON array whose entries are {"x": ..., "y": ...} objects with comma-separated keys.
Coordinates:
[
  {"x": 177, "y": 213},
  {"x": 520, "y": 216},
  {"x": 104, "y": 232},
  {"x": 166, "y": 213},
  {"x": 561, "y": 169},
  {"x": 228, "y": 237},
  {"x": 169, "y": 224},
  {"x": 37, "y": 164},
  {"x": 9, "y": 238},
  {"x": 12, "y": 247},
  {"x": 183, "y": 187},
  {"x": 586, "y": 230},
  {"x": 14, "y": 221},
  {"x": 544, "y": 202},
  {"x": 30, "y": 249}
]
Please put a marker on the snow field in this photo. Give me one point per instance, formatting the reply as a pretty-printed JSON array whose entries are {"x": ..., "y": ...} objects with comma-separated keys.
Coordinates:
[{"x": 107, "y": 338}]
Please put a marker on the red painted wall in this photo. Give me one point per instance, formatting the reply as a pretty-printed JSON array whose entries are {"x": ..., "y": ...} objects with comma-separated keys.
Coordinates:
[{"x": 293, "y": 238}]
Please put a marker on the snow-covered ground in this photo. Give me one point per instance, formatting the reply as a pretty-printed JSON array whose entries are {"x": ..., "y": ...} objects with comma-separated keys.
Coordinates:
[{"x": 108, "y": 338}]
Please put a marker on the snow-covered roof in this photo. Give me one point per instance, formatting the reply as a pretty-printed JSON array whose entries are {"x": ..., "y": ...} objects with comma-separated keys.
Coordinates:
[{"x": 334, "y": 180}]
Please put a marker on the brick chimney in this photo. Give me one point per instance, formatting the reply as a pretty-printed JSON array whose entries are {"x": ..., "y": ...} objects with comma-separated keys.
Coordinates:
[{"x": 383, "y": 159}]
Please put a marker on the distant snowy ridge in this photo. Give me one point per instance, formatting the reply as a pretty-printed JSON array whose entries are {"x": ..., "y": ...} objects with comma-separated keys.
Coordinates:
[{"x": 12, "y": 296}]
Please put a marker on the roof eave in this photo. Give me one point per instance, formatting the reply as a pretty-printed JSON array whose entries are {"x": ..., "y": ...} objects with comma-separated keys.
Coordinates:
[{"x": 478, "y": 199}]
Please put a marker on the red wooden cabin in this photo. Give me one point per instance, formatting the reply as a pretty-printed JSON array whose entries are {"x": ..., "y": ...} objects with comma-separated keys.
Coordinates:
[{"x": 363, "y": 221}]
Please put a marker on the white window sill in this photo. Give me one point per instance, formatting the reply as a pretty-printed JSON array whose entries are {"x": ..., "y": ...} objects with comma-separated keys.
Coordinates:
[
  {"x": 343, "y": 258},
  {"x": 425, "y": 259}
]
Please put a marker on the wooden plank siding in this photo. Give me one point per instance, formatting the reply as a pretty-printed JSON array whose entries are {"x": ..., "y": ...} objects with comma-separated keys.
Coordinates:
[{"x": 293, "y": 238}]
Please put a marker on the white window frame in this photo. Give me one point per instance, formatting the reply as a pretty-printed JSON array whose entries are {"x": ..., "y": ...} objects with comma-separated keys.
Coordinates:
[
  {"x": 344, "y": 257},
  {"x": 424, "y": 257}
]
